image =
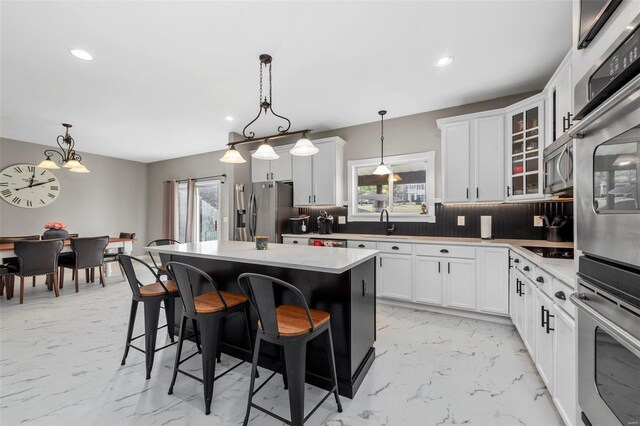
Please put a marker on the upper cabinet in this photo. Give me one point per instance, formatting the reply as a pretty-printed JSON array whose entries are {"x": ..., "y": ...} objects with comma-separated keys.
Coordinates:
[
  {"x": 274, "y": 170},
  {"x": 473, "y": 157},
  {"x": 525, "y": 143},
  {"x": 318, "y": 179},
  {"x": 559, "y": 102}
]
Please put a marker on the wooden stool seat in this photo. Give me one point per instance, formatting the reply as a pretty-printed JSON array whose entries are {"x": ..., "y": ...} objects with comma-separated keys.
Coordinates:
[
  {"x": 210, "y": 302},
  {"x": 156, "y": 289},
  {"x": 162, "y": 268},
  {"x": 293, "y": 321}
]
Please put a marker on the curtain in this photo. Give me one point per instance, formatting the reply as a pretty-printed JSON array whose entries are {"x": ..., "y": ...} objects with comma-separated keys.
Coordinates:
[
  {"x": 170, "y": 210},
  {"x": 191, "y": 211}
]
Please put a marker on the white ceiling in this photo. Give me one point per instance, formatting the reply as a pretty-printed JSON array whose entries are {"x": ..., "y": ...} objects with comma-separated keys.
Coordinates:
[{"x": 166, "y": 74}]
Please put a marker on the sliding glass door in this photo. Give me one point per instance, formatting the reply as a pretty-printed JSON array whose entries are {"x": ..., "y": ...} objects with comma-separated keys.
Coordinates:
[{"x": 206, "y": 211}]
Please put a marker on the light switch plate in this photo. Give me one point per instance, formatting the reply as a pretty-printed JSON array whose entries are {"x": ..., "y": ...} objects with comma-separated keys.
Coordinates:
[
  {"x": 460, "y": 220},
  {"x": 342, "y": 220},
  {"x": 225, "y": 219},
  {"x": 537, "y": 222}
]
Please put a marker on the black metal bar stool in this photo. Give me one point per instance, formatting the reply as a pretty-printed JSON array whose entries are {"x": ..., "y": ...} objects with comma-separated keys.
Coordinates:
[
  {"x": 208, "y": 310},
  {"x": 152, "y": 295},
  {"x": 290, "y": 327},
  {"x": 160, "y": 265}
]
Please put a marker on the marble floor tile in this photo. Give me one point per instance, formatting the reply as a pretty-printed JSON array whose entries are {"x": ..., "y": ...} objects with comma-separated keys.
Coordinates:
[{"x": 60, "y": 365}]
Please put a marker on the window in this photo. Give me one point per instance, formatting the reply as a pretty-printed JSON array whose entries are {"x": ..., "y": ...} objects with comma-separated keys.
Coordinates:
[
  {"x": 206, "y": 211},
  {"x": 407, "y": 193}
]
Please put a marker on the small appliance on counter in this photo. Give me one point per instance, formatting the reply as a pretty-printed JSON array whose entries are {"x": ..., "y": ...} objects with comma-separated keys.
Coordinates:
[
  {"x": 299, "y": 225},
  {"x": 325, "y": 223}
]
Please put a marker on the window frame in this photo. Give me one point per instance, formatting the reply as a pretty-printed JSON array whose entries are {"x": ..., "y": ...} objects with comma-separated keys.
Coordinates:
[
  {"x": 352, "y": 188},
  {"x": 181, "y": 230}
]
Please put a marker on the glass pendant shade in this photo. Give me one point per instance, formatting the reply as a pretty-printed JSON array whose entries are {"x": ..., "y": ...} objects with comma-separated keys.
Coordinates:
[
  {"x": 79, "y": 169},
  {"x": 47, "y": 163},
  {"x": 265, "y": 152},
  {"x": 232, "y": 156},
  {"x": 71, "y": 164},
  {"x": 382, "y": 169},
  {"x": 303, "y": 148}
]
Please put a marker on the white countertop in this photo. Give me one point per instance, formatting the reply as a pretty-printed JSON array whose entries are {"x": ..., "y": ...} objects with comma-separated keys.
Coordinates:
[
  {"x": 319, "y": 259},
  {"x": 563, "y": 269}
]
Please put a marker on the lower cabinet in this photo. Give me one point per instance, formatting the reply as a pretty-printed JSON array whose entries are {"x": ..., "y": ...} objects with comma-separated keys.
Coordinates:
[
  {"x": 428, "y": 279},
  {"x": 545, "y": 338},
  {"x": 564, "y": 394},
  {"x": 394, "y": 276},
  {"x": 460, "y": 283},
  {"x": 493, "y": 276},
  {"x": 529, "y": 317}
]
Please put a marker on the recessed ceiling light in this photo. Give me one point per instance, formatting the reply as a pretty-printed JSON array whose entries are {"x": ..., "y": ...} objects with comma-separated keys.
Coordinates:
[
  {"x": 228, "y": 118},
  {"x": 444, "y": 61},
  {"x": 81, "y": 54}
]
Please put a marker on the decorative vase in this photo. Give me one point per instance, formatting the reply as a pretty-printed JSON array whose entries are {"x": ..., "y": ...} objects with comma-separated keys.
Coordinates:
[{"x": 55, "y": 234}]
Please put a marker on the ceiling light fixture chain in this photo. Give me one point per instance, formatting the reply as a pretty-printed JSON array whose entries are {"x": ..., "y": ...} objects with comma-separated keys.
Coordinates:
[{"x": 266, "y": 104}]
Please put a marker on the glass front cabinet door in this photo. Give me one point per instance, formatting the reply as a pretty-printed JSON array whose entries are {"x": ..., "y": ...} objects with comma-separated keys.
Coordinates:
[{"x": 525, "y": 127}]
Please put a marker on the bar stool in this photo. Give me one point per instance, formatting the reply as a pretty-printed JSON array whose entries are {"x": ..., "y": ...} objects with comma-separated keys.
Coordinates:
[
  {"x": 290, "y": 327},
  {"x": 208, "y": 310},
  {"x": 160, "y": 264},
  {"x": 152, "y": 295}
]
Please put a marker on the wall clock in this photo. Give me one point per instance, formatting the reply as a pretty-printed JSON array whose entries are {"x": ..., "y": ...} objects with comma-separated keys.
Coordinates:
[{"x": 28, "y": 186}]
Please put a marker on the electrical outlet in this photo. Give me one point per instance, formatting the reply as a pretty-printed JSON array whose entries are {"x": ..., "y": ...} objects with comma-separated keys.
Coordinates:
[
  {"x": 460, "y": 220},
  {"x": 342, "y": 220},
  {"x": 537, "y": 222}
]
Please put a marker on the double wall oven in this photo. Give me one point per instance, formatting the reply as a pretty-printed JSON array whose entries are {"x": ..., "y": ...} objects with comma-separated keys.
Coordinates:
[{"x": 607, "y": 172}]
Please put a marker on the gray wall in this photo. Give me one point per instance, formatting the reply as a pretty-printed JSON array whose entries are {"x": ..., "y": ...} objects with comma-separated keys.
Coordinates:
[{"x": 109, "y": 200}]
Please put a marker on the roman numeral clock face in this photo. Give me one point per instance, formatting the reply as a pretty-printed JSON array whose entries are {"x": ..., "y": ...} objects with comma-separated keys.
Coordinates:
[{"x": 28, "y": 186}]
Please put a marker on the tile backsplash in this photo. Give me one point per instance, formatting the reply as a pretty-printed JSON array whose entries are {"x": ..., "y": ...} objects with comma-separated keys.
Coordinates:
[{"x": 512, "y": 220}]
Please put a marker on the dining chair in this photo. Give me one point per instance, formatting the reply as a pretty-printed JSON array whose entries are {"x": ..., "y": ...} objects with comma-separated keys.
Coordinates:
[
  {"x": 160, "y": 265},
  {"x": 111, "y": 255},
  {"x": 88, "y": 253},
  {"x": 35, "y": 258},
  {"x": 14, "y": 261}
]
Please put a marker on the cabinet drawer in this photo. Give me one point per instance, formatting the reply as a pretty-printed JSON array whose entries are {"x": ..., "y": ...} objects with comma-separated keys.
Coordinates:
[
  {"x": 543, "y": 280},
  {"x": 560, "y": 295},
  {"x": 527, "y": 268},
  {"x": 362, "y": 244},
  {"x": 295, "y": 240},
  {"x": 460, "y": 252},
  {"x": 402, "y": 248},
  {"x": 516, "y": 260}
]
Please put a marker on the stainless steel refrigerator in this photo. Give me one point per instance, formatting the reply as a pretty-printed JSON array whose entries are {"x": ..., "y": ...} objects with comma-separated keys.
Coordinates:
[{"x": 265, "y": 210}]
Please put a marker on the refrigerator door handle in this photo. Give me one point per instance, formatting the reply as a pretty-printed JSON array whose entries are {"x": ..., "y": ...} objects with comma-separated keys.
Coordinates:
[{"x": 252, "y": 215}]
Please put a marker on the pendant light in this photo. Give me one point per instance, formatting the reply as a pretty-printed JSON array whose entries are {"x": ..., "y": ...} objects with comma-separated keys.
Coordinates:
[
  {"x": 265, "y": 152},
  {"x": 232, "y": 156},
  {"x": 304, "y": 147},
  {"x": 68, "y": 156},
  {"x": 382, "y": 169}
]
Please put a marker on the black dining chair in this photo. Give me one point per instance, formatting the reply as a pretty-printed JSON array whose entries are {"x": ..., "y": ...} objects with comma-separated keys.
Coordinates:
[
  {"x": 290, "y": 327},
  {"x": 88, "y": 253},
  {"x": 111, "y": 255},
  {"x": 160, "y": 264},
  {"x": 14, "y": 261},
  {"x": 35, "y": 258}
]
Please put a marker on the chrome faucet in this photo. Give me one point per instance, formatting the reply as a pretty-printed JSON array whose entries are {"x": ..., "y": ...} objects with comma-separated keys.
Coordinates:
[{"x": 390, "y": 227}]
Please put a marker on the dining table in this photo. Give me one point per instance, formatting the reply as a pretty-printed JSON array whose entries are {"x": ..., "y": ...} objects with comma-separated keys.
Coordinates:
[{"x": 126, "y": 244}]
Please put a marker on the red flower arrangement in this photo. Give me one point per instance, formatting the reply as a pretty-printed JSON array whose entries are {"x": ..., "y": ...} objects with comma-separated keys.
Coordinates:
[{"x": 55, "y": 225}]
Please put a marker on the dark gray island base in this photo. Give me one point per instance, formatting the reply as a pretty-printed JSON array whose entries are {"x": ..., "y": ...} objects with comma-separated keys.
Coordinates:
[{"x": 349, "y": 297}]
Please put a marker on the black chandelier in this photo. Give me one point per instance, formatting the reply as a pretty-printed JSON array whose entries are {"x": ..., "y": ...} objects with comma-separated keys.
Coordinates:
[
  {"x": 265, "y": 152},
  {"x": 69, "y": 158}
]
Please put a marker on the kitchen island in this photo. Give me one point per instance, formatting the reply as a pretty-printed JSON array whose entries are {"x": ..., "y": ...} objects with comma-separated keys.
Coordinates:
[{"x": 340, "y": 281}]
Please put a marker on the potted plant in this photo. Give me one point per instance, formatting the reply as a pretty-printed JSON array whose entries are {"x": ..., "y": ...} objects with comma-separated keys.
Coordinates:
[{"x": 55, "y": 230}]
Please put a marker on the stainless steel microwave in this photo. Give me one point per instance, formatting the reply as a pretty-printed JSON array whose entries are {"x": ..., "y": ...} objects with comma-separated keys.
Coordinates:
[{"x": 558, "y": 167}]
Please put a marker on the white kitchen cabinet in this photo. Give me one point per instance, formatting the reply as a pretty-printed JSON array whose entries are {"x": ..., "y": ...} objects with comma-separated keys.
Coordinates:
[
  {"x": 513, "y": 291},
  {"x": 529, "y": 317},
  {"x": 473, "y": 157},
  {"x": 525, "y": 143},
  {"x": 545, "y": 338},
  {"x": 460, "y": 283},
  {"x": 559, "y": 100},
  {"x": 564, "y": 394},
  {"x": 394, "y": 276},
  {"x": 456, "y": 161},
  {"x": 301, "y": 241},
  {"x": 428, "y": 279},
  {"x": 318, "y": 179},
  {"x": 488, "y": 154},
  {"x": 493, "y": 280},
  {"x": 273, "y": 170},
  {"x": 519, "y": 303}
]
